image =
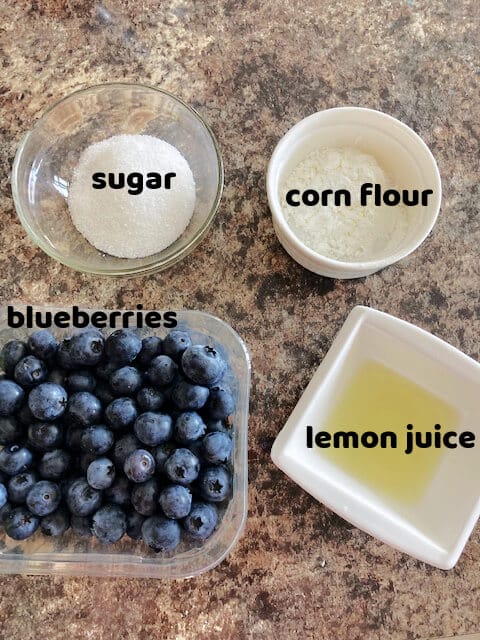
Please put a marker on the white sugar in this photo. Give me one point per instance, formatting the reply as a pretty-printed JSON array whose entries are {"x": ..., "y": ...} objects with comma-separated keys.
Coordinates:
[
  {"x": 342, "y": 232},
  {"x": 130, "y": 225}
]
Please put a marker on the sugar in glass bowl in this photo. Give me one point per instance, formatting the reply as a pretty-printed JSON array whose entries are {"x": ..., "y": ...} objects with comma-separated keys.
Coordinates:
[{"x": 49, "y": 153}]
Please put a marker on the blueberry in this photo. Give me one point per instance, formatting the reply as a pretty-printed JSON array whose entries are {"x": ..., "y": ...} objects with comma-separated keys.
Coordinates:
[
  {"x": 20, "y": 485},
  {"x": 145, "y": 497},
  {"x": 109, "y": 524},
  {"x": 10, "y": 430},
  {"x": 80, "y": 380},
  {"x": 15, "y": 459},
  {"x": 84, "y": 349},
  {"x": 21, "y": 524},
  {"x": 176, "y": 501},
  {"x": 45, "y": 435},
  {"x": 124, "y": 447},
  {"x": 101, "y": 473},
  {"x": 189, "y": 426},
  {"x": 11, "y": 397},
  {"x": 56, "y": 523},
  {"x": 151, "y": 347},
  {"x": 161, "y": 453},
  {"x": 3, "y": 495},
  {"x": 30, "y": 371},
  {"x": 150, "y": 399},
  {"x": 176, "y": 343},
  {"x": 119, "y": 492},
  {"x": 43, "y": 344},
  {"x": 189, "y": 397},
  {"x": 5, "y": 512},
  {"x": 201, "y": 521},
  {"x": 43, "y": 498},
  {"x": 182, "y": 467},
  {"x": 153, "y": 428},
  {"x": 220, "y": 404},
  {"x": 134, "y": 525},
  {"x": 203, "y": 365},
  {"x": 139, "y": 465},
  {"x": 12, "y": 352},
  {"x": 123, "y": 346},
  {"x": 214, "y": 483},
  {"x": 96, "y": 439},
  {"x": 84, "y": 462},
  {"x": 81, "y": 525},
  {"x": 48, "y": 401},
  {"x": 104, "y": 393},
  {"x": 121, "y": 413},
  {"x": 217, "y": 447},
  {"x": 82, "y": 499},
  {"x": 126, "y": 381},
  {"x": 162, "y": 371},
  {"x": 54, "y": 464},
  {"x": 161, "y": 534},
  {"x": 84, "y": 408},
  {"x": 216, "y": 425}
]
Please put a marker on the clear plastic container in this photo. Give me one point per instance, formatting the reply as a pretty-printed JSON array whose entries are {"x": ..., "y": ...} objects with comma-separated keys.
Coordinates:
[{"x": 73, "y": 555}]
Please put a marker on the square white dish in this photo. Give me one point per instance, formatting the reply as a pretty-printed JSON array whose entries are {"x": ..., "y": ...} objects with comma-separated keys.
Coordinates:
[{"x": 436, "y": 527}]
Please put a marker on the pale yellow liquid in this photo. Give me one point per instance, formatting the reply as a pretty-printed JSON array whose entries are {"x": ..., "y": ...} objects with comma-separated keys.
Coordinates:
[{"x": 378, "y": 399}]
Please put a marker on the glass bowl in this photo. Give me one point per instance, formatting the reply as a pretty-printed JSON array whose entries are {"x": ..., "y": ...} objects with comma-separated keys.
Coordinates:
[
  {"x": 72, "y": 555},
  {"x": 49, "y": 152}
]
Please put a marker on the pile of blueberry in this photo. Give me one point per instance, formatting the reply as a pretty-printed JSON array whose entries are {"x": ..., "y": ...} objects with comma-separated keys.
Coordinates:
[{"x": 113, "y": 436}]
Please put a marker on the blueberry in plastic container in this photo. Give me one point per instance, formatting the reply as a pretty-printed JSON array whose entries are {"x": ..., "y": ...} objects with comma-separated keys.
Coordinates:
[
  {"x": 43, "y": 344},
  {"x": 96, "y": 439},
  {"x": 54, "y": 465},
  {"x": 161, "y": 454},
  {"x": 14, "y": 459},
  {"x": 189, "y": 397},
  {"x": 175, "y": 343},
  {"x": 161, "y": 534},
  {"x": 201, "y": 521},
  {"x": 83, "y": 349},
  {"x": 139, "y": 466},
  {"x": 11, "y": 430},
  {"x": 84, "y": 408},
  {"x": 119, "y": 492},
  {"x": 126, "y": 381},
  {"x": 121, "y": 413},
  {"x": 214, "y": 483},
  {"x": 45, "y": 435},
  {"x": 12, "y": 352},
  {"x": 189, "y": 427},
  {"x": 124, "y": 447},
  {"x": 182, "y": 467},
  {"x": 11, "y": 397},
  {"x": 217, "y": 447},
  {"x": 20, "y": 485},
  {"x": 162, "y": 371},
  {"x": 145, "y": 496},
  {"x": 109, "y": 524},
  {"x": 203, "y": 365},
  {"x": 220, "y": 404},
  {"x": 56, "y": 523},
  {"x": 151, "y": 347},
  {"x": 82, "y": 500},
  {"x": 150, "y": 399},
  {"x": 43, "y": 498},
  {"x": 153, "y": 428},
  {"x": 48, "y": 401},
  {"x": 101, "y": 473},
  {"x": 175, "y": 501},
  {"x": 21, "y": 523},
  {"x": 123, "y": 346},
  {"x": 29, "y": 371}
]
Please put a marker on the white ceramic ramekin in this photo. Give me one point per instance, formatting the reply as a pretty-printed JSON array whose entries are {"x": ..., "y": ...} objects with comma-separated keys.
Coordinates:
[{"x": 403, "y": 155}]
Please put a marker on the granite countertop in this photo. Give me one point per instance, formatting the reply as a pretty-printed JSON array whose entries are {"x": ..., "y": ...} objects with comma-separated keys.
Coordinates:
[{"x": 253, "y": 69}]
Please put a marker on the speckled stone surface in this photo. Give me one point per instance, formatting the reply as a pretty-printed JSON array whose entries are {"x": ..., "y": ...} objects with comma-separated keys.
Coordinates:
[{"x": 253, "y": 68}]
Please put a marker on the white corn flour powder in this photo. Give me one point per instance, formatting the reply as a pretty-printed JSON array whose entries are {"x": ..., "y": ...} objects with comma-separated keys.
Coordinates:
[
  {"x": 348, "y": 233},
  {"x": 131, "y": 225}
]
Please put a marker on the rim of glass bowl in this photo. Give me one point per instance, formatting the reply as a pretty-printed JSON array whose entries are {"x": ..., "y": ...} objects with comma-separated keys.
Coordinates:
[{"x": 117, "y": 271}]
